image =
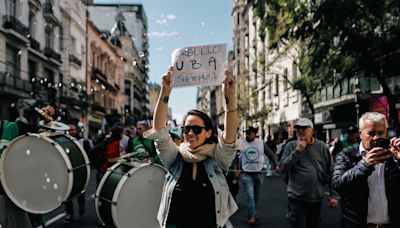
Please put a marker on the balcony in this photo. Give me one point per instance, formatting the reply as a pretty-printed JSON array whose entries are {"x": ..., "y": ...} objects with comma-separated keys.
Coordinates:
[
  {"x": 49, "y": 15},
  {"x": 97, "y": 73},
  {"x": 74, "y": 59},
  {"x": 79, "y": 102},
  {"x": 137, "y": 113},
  {"x": 10, "y": 22},
  {"x": 97, "y": 107},
  {"x": 50, "y": 53},
  {"x": 35, "y": 44},
  {"x": 35, "y": 4},
  {"x": 15, "y": 83}
]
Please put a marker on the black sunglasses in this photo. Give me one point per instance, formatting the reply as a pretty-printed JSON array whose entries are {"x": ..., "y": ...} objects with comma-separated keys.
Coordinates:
[{"x": 196, "y": 129}]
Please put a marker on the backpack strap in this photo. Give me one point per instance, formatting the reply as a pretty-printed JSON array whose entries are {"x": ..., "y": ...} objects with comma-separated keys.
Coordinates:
[
  {"x": 312, "y": 161},
  {"x": 2, "y": 192}
]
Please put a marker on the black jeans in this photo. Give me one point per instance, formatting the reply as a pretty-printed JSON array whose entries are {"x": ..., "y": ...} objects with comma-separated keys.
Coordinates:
[
  {"x": 69, "y": 205},
  {"x": 304, "y": 214}
]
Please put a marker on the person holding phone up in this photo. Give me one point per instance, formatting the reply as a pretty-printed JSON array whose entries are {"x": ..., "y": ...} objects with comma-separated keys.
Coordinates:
[{"x": 367, "y": 176}]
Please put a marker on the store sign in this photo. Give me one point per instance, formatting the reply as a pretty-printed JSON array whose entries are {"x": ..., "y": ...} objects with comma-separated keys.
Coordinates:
[
  {"x": 381, "y": 105},
  {"x": 323, "y": 117}
]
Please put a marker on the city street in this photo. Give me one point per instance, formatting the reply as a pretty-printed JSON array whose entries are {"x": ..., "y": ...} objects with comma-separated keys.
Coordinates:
[
  {"x": 302, "y": 82},
  {"x": 272, "y": 209}
]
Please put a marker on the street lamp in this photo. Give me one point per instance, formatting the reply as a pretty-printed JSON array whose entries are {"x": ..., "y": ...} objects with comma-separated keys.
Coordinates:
[{"x": 356, "y": 91}]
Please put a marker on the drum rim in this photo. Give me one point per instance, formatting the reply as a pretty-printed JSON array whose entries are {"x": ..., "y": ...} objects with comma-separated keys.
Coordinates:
[
  {"x": 120, "y": 184},
  {"x": 101, "y": 184},
  {"x": 63, "y": 154},
  {"x": 85, "y": 157},
  {"x": 98, "y": 190}
]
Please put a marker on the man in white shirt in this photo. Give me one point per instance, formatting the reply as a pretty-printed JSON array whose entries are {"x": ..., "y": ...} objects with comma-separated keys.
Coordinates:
[
  {"x": 367, "y": 176},
  {"x": 251, "y": 160}
]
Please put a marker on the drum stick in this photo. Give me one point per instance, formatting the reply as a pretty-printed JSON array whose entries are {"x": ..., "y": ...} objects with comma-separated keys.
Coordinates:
[{"x": 128, "y": 155}]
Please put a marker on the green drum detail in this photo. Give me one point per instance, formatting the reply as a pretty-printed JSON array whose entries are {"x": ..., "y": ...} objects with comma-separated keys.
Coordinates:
[{"x": 129, "y": 195}]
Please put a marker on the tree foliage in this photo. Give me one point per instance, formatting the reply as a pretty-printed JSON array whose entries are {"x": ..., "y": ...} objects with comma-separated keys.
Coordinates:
[{"x": 345, "y": 36}]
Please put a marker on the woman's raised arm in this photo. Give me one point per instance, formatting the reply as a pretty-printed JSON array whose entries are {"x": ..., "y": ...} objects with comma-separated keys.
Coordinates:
[
  {"x": 161, "y": 111},
  {"x": 231, "y": 118}
]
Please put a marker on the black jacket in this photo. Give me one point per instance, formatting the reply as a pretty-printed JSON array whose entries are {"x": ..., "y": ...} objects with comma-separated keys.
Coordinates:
[{"x": 350, "y": 181}]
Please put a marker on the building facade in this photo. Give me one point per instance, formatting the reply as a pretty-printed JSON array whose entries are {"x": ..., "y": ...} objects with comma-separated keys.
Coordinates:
[
  {"x": 265, "y": 96},
  {"x": 73, "y": 97},
  {"x": 105, "y": 74},
  {"x": 130, "y": 25},
  {"x": 30, "y": 60}
]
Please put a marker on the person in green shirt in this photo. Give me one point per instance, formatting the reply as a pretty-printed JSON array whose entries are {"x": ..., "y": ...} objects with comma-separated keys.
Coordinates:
[
  {"x": 8, "y": 131},
  {"x": 143, "y": 148},
  {"x": 351, "y": 137},
  {"x": 12, "y": 216}
]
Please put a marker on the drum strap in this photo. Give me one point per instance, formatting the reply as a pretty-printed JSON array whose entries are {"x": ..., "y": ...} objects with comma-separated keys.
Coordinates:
[
  {"x": 1, "y": 129},
  {"x": 1, "y": 135},
  {"x": 151, "y": 152}
]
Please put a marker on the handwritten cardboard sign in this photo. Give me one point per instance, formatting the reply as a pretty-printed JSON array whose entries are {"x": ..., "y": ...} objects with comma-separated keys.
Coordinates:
[{"x": 199, "y": 65}]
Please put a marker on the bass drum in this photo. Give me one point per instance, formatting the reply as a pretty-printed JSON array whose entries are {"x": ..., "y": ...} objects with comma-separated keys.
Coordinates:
[
  {"x": 129, "y": 195},
  {"x": 41, "y": 171}
]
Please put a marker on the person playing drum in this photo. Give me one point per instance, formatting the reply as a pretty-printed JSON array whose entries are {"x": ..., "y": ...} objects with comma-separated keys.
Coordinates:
[
  {"x": 195, "y": 190},
  {"x": 11, "y": 216}
]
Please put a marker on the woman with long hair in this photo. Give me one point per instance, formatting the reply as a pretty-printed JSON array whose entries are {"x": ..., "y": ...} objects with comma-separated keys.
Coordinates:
[{"x": 196, "y": 193}]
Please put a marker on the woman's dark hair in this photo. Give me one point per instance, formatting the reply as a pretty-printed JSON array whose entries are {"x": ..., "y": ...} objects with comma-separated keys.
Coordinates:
[
  {"x": 207, "y": 124},
  {"x": 116, "y": 133}
]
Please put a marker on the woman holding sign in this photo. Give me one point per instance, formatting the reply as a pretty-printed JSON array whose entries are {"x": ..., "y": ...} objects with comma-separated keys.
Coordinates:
[{"x": 195, "y": 190}]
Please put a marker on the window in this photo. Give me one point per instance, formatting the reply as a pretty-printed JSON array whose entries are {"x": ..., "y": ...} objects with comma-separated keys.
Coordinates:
[
  {"x": 32, "y": 69},
  {"x": 73, "y": 46},
  {"x": 32, "y": 24},
  {"x": 49, "y": 74},
  {"x": 276, "y": 92},
  {"x": 12, "y": 61},
  {"x": 263, "y": 97},
  {"x": 61, "y": 81},
  {"x": 246, "y": 42},
  {"x": 82, "y": 52},
  {"x": 48, "y": 37},
  {"x": 61, "y": 39},
  {"x": 269, "y": 90},
  {"x": 294, "y": 70},
  {"x": 11, "y": 7},
  {"x": 93, "y": 59},
  {"x": 285, "y": 79}
]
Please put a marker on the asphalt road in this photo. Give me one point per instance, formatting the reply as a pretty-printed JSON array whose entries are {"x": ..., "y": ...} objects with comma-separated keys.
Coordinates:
[{"x": 272, "y": 209}]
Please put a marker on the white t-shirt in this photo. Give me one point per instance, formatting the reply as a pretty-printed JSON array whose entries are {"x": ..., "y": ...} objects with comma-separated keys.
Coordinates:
[{"x": 252, "y": 155}]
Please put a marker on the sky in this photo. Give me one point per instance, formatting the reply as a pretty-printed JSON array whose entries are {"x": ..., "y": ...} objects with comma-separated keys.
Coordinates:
[{"x": 181, "y": 23}]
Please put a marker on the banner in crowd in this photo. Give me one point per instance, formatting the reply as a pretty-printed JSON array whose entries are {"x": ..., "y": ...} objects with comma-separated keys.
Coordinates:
[{"x": 199, "y": 65}]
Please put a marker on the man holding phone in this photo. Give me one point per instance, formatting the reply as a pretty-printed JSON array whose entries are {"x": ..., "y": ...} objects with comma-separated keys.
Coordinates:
[{"x": 367, "y": 176}]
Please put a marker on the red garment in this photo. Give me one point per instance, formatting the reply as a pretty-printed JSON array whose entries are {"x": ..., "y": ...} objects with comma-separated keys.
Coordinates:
[{"x": 112, "y": 152}]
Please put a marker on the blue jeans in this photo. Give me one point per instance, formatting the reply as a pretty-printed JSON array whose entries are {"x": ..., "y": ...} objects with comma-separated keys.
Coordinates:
[{"x": 252, "y": 183}]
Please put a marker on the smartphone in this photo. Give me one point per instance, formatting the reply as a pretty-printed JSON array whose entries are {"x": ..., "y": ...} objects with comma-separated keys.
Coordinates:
[{"x": 384, "y": 143}]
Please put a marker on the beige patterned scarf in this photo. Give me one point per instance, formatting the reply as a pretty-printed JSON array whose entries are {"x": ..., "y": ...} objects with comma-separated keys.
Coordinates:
[{"x": 198, "y": 154}]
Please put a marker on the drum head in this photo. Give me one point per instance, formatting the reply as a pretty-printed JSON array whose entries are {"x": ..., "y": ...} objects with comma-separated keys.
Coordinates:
[
  {"x": 138, "y": 198},
  {"x": 34, "y": 173}
]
